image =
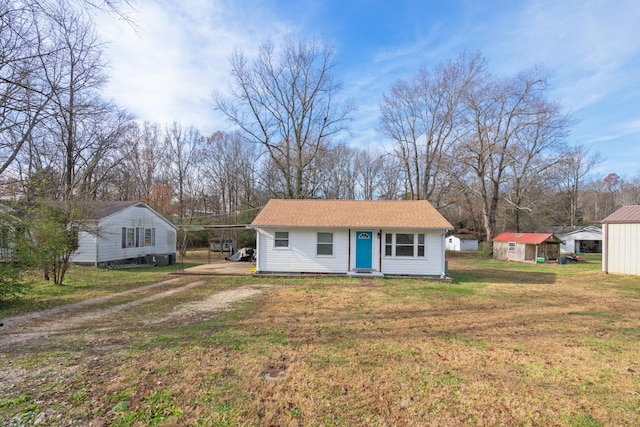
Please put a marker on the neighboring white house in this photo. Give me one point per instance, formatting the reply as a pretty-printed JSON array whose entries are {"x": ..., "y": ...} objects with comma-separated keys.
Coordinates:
[
  {"x": 355, "y": 237},
  {"x": 461, "y": 242},
  {"x": 621, "y": 241},
  {"x": 582, "y": 239},
  {"x": 125, "y": 232}
]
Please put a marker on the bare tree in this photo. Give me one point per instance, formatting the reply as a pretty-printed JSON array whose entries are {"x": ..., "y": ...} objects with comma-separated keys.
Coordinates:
[
  {"x": 181, "y": 148},
  {"x": 422, "y": 117},
  {"x": 369, "y": 167},
  {"x": 503, "y": 117},
  {"x": 286, "y": 101},
  {"x": 140, "y": 170},
  {"x": 42, "y": 41},
  {"x": 575, "y": 166},
  {"x": 337, "y": 173},
  {"x": 536, "y": 152},
  {"x": 25, "y": 51},
  {"x": 229, "y": 163}
]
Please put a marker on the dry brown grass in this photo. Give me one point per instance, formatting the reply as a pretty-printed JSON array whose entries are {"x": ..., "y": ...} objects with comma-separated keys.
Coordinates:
[{"x": 506, "y": 344}]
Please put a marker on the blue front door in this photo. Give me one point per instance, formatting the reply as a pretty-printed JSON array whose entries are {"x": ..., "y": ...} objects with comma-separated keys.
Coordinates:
[{"x": 364, "y": 246}]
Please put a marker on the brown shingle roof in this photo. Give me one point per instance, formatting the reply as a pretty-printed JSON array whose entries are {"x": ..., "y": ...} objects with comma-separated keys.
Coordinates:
[
  {"x": 350, "y": 213},
  {"x": 624, "y": 215}
]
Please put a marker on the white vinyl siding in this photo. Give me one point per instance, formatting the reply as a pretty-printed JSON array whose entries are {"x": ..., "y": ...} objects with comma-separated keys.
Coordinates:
[
  {"x": 301, "y": 255},
  {"x": 105, "y": 242},
  {"x": 454, "y": 243},
  {"x": 431, "y": 264}
]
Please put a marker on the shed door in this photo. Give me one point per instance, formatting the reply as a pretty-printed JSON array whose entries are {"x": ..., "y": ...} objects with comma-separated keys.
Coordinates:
[{"x": 364, "y": 249}]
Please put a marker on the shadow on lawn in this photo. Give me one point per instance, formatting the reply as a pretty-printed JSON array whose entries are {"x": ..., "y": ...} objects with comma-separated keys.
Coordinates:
[{"x": 503, "y": 276}]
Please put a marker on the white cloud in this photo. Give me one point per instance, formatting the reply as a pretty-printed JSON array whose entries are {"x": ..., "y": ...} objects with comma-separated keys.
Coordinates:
[{"x": 168, "y": 69}]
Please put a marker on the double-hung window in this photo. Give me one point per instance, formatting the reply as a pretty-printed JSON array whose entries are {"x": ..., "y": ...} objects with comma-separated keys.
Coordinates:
[
  {"x": 128, "y": 237},
  {"x": 135, "y": 237},
  {"x": 149, "y": 237},
  {"x": 281, "y": 239},
  {"x": 404, "y": 245},
  {"x": 325, "y": 244}
]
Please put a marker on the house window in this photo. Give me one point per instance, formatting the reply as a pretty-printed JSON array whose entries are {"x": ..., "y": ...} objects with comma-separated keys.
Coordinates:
[
  {"x": 388, "y": 244},
  {"x": 128, "y": 237},
  {"x": 325, "y": 244},
  {"x": 149, "y": 237},
  {"x": 281, "y": 239},
  {"x": 512, "y": 246},
  {"x": 404, "y": 245},
  {"x": 421, "y": 245}
]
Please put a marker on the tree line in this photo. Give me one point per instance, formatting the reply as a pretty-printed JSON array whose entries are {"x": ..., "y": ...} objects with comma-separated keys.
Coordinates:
[{"x": 490, "y": 151}]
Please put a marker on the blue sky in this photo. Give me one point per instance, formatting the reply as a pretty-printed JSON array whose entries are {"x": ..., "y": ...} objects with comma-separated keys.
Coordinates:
[{"x": 169, "y": 68}]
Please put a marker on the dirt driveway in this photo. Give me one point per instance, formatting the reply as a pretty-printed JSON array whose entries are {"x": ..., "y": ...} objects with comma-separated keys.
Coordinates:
[{"x": 19, "y": 330}]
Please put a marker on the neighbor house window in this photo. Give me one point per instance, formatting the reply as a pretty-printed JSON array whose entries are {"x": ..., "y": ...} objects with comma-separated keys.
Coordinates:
[
  {"x": 128, "y": 237},
  {"x": 149, "y": 237},
  {"x": 404, "y": 245},
  {"x": 281, "y": 239},
  {"x": 325, "y": 244},
  {"x": 512, "y": 246}
]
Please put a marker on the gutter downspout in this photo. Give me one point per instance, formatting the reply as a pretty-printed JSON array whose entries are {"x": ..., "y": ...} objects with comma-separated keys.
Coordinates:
[
  {"x": 444, "y": 255},
  {"x": 380, "y": 250},
  {"x": 605, "y": 257},
  {"x": 349, "y": 253}
]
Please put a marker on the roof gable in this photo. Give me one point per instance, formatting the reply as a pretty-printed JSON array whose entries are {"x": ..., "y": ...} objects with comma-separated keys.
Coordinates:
[
  {"x": 103, "y": 210},
  {"x": 350, "y": 214},
  {"x": 624, "y": 215},
  {"x": 529, "y": 238}
]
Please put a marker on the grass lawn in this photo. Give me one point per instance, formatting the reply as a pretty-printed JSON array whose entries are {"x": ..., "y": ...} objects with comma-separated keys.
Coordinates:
[{"x": 505, "y": 344}]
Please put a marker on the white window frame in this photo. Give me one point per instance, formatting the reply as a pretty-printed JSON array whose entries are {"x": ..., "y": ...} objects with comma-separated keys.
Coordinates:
[
  {"x": 512, "y": 247},
  {"x": 151, "y": 235},
  {"x": 419, "y": 245},
  {"x": 280, "y": 238},
  {"x": 130, "y": 237},
  {"x": 324, "y": 244}
]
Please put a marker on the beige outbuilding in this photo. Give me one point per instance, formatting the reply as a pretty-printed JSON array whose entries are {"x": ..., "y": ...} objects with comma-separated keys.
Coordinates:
[{"x": 621, "y": 241}]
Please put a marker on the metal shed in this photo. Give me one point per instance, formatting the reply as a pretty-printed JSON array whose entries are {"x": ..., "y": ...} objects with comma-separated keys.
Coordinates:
[{"x": 621, "y": 241}]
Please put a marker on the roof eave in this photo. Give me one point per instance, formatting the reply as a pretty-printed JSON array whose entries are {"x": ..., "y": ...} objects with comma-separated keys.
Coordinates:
[{"x": 347, "y": 227}]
